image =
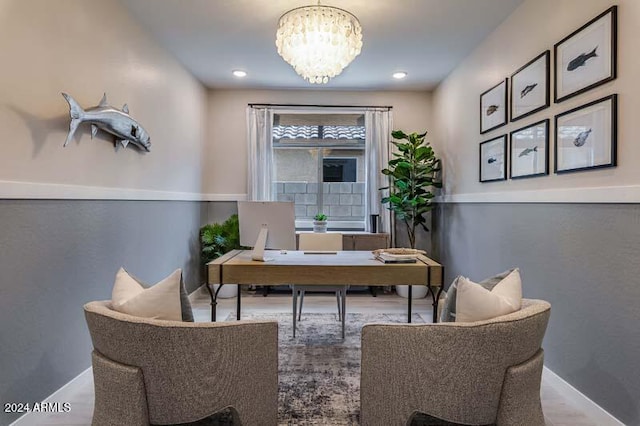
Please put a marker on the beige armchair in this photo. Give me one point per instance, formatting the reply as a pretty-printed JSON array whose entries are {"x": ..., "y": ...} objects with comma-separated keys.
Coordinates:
[
  {"x": 479, "y": 373},
  {"x": 165, "y": 372}
]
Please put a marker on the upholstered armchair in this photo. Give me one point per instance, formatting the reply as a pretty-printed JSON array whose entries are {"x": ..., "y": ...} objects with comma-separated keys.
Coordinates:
[
  {"x": 477, "y": 373},
  {"x": 166, "y": 372}
]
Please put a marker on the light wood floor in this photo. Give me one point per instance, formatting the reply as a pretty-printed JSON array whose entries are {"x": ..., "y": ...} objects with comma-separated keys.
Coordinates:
[{"x": 558, "y": 410}]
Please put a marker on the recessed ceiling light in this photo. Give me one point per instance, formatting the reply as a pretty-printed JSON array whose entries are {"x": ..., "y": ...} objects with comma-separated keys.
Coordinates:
[
  {"x": 239, "y": 73},
  {"x": 399, "y": 75}
]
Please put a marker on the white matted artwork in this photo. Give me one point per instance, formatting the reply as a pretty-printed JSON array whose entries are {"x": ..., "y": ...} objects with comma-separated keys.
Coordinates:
[
  {"x": 530, "y": 87},
  {"x": 493, "y": 107},
  {"x": 587, "y": 57},
  {"x": 586, "y": 136},
  {"x": 493, "y": 159},
  {"x": 530, "y": 151}
]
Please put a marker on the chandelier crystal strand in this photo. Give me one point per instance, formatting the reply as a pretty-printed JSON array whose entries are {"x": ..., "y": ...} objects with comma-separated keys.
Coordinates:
[{"x": 318, "y": 41}]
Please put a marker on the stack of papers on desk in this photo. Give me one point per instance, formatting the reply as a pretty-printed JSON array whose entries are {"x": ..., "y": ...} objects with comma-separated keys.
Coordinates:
[{"x": 397, "y": 258}]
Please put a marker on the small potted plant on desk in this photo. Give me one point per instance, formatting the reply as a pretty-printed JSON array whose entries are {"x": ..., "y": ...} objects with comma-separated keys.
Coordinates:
[{"x": 320, "y": 223}]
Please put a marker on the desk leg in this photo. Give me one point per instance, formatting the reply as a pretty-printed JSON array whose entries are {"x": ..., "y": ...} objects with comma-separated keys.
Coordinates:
[
  {"x": 343, "y": 300},
  {"x": 435, "y": 304},
  {"x": 214, "y": 301},
  {"x": 238, "y": 302},
  {"x": 294, "y": 293},
  {"x": 409, "y": 304},
  {"x": 434, "y": 297}
]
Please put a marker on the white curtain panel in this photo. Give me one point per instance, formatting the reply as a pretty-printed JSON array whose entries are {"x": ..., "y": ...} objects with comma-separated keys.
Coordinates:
[
  {"x": 378, "y": 125},
  {"x": 261, "y": 167}
]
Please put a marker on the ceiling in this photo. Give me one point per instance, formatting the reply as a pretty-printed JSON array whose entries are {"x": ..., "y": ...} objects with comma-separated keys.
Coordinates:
[{"x": 426, "y": 38}]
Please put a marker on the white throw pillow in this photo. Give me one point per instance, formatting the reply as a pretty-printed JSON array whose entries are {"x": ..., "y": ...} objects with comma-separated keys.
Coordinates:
[
  {"x": 475, "y": 303},
  {"x": 160, "y": 301}
]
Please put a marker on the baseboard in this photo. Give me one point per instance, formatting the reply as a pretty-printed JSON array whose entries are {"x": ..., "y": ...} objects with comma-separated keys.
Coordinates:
[
  {"x": 580, "y": 401},
  {"x": 198, "y": 292},
  {"x": 61, "y": 395}
]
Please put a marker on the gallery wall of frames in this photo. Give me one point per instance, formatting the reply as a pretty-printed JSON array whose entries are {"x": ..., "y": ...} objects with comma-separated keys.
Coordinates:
[{"x": 584, "y": 138}]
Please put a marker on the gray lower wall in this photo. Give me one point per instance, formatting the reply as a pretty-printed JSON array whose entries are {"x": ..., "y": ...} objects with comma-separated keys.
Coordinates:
[
  {"x": 585, "y": 260},
  {"x": 219, "y": 211},
  {"x": 57, "y": 255}
]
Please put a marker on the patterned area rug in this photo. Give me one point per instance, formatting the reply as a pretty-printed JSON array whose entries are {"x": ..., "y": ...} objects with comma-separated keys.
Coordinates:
[{"x": 319, "y": 372}]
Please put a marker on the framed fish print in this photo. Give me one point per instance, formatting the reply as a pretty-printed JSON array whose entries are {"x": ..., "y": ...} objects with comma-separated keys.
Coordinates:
[
  {"x": 493, "y": 107},
  {"x": 493, "y": 159},
  {"x": 586, "y": 136},
  {"x": 587, "y": 57},
  {"x": 529, "y": 151},
  {"x": 530, "y": 88}
]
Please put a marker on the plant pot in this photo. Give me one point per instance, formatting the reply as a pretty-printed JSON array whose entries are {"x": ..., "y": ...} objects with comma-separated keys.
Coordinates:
[
  {"x": 417, "y": 292},
  {"x": 319, "y": 226},
  {"x": 227, "y": 291}
]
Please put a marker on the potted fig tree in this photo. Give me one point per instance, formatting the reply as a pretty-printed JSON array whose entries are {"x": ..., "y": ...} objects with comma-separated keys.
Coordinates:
[{"x": 413, "y": 174}]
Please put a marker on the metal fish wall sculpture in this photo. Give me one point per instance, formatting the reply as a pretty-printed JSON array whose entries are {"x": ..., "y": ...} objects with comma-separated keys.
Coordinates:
[{"x": 111, "y": 120}]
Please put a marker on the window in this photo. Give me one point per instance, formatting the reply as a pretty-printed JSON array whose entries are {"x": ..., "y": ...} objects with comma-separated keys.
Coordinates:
[
  {"x": 310, "y": 154},
  {"x": 319, "y": 162}
]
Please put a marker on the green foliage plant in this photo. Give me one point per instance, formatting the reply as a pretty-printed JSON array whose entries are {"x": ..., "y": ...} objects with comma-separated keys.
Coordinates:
[
  {"x": 320, "y": 217},
  {"x": 217, "y": 239},
  {"x": 413, "y": 173}
]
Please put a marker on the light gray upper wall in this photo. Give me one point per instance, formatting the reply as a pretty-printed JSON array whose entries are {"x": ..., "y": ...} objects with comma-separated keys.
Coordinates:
[
  {"x": 533, "y": 28},
  {"x": 226, "y": 157},
  {"x": 86, "y": 48}
]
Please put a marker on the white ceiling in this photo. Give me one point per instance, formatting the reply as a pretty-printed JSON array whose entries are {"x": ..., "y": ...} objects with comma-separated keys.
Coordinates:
[{"x": 426, "y": 38}]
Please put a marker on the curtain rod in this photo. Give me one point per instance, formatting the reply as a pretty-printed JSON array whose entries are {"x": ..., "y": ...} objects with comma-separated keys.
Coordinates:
[{"x": 319, "y": 106}]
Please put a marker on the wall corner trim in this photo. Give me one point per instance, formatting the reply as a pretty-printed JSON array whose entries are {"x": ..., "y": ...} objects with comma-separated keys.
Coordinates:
[
  {"x": 629, "y": 194},
  {"x": 580, "y": 401},
  {"x": 55, "y": 191}
]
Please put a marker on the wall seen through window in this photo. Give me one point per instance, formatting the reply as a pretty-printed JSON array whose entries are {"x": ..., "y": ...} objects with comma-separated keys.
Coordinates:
[{"x": 319, "y": 162}]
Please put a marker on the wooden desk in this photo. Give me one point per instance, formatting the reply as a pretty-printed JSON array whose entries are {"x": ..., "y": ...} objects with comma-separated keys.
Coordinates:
[{"x": 345, "y": 267}]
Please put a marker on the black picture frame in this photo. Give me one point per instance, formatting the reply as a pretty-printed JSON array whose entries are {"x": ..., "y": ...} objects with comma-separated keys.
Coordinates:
[
  {"x": 534, "y": 84},
  {"x": 485, "y": 165},
  {"x": 582, "y": 138},
  {"x": 577, "y": 62},
  {"x": 513, "y": 162},
  {"x": 493, "y": 98}
]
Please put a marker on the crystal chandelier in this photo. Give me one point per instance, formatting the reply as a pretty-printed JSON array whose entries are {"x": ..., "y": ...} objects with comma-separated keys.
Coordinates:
[{"x": 318, "y": 41}]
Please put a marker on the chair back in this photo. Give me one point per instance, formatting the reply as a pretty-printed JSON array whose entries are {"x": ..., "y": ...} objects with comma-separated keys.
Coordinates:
[
  {"x": 320, "y": 241},
  {"x": 184, "y": 364},
  {"x": 461, "y": 366}
]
